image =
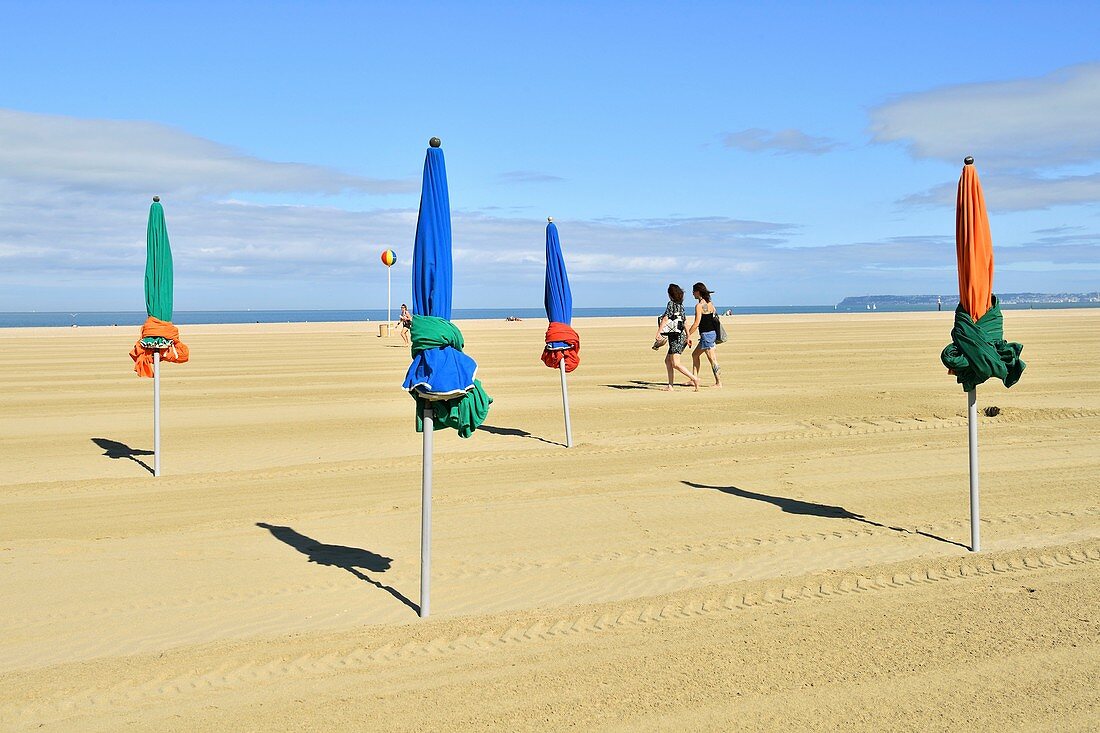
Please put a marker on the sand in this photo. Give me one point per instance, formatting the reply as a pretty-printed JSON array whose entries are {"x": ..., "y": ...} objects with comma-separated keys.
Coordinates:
[{"x": 788, "y": 552}]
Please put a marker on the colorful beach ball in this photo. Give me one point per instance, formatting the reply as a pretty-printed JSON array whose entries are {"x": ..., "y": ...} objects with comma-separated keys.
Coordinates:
[{"x": 389, "y": 257}]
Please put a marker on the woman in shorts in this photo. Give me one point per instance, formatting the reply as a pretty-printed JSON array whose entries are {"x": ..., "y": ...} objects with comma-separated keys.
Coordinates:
[{"x": 707, "y": 325}]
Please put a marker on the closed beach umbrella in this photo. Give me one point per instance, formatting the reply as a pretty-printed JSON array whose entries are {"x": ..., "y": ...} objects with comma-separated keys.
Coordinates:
[
  {"x": 977, "y": 350},
  {"x": 563, "y": 346},
  {"x": 441, "y": 378},
  {"x": 159, "y": 338}
]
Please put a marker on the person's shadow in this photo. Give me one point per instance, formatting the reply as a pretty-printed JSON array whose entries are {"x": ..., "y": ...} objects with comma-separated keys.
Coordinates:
[
  {"x": 115, "y": 450},
  {"x": 352, "y": 559},
  {"x": 809, "y": 508},
  {"x": 638, "y": 384}
]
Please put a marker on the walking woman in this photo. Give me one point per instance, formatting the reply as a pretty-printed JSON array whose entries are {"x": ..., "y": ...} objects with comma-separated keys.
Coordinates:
[
  {"x": 671, "y": 326},
  {"x": 707, "y": 325}
]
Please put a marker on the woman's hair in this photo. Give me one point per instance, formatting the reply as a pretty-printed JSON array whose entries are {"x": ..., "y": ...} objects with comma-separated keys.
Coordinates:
[
  {"x": 700, "y": 290},
  {"x": 675, "y": 293},
  {"x": 404, "y": 306}
]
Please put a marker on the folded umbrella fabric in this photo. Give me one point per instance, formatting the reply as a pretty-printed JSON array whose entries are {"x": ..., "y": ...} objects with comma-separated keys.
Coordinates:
[
  {"x": 153, "y": 333},
  {"x": 978, "y": 350},
  {"x": 562, "y": 342},
  {"x": 442, "y": 376}
]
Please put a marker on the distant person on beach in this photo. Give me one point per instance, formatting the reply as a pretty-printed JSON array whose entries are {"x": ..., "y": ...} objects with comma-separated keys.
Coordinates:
[
  {"x": 671, "y": 326},
  {"x": 513, "y": 318},
  {"x": 404, "y": 323},
  {"x": 707, "y": 326}
]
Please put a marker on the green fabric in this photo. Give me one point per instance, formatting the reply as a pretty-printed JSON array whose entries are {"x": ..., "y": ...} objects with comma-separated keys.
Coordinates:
[
  {"x": 158, "y": 266},
  {"x": 429, "y": 332},
  {"x": 978, "y": 351},
  {"x": 464, "y": 413}
]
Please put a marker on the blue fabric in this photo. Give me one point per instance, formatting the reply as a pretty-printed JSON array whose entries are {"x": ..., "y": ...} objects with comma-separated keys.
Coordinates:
[
  {"x": 559, "y": 300},
  {"x": 439, "y": 368},
  {"x": 707, "y": 339},
  {"x": 431, "y": 263}
]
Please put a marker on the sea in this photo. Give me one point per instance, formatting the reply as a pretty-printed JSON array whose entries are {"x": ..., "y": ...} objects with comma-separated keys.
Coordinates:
[{"x": 136, "y": 318}]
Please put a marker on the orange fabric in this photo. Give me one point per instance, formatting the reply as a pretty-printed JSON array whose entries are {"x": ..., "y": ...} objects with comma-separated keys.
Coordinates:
[
  {"x": 177, "y": 353},
  {"x": 973, "y": 245},
  {"x": 572, "y": 355}
]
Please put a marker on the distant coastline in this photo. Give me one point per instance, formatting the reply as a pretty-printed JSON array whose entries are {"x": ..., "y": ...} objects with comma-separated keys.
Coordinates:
[
  {"x": 896, "y": 302},
  {"x": 883, "y": 303}
]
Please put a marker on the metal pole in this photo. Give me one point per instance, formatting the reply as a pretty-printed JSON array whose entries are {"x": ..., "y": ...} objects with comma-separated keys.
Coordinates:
[
  {"x": 565, "y": 404},
  {"x": 388, "y": 301},
  {"x": 972, "y": 425},
  {"x": 156, "y": 413},
  {"x": 426, "y": 515}
]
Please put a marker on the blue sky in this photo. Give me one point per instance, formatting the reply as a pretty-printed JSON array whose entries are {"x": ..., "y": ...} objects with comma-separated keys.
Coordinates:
[{"x": 788, "y": 153}]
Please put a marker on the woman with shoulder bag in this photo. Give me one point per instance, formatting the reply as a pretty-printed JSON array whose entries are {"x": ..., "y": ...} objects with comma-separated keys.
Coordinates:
[
  {"x": 671, "y": 326},
  {"x": 706, "y": 321}
]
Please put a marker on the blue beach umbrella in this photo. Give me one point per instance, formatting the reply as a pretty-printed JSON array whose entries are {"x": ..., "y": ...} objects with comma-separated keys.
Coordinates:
[
  {"x": 441, "y": 378},
  {"x": 558, "y": 298},
  {"x": 563, "y": 346}
]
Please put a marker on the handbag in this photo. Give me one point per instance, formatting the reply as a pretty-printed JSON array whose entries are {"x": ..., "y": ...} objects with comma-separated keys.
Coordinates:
[
  {"x": 673, "y": 326},
  {"x": 720, "y": 337}
]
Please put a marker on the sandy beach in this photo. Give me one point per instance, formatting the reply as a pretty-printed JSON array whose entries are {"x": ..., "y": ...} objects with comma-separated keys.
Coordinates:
[{"x": 789, "y": 552}]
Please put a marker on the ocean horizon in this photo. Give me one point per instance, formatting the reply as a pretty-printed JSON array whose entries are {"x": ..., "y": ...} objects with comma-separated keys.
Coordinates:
[{"x": 32, "y": 319}]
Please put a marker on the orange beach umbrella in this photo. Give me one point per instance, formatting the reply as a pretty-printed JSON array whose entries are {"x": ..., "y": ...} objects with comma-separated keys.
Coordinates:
[
  {"x": 973, "y": 244},
  {"x": 978, "y": 350}
]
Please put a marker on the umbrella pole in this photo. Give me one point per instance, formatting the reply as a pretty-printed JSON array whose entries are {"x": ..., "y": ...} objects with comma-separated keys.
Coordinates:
[
  {"x": 972, "y": 425},
  {"x": 156, "y": 413},
  {"x": 565, "y": 404},
  {"x": 426, "y": 514}
]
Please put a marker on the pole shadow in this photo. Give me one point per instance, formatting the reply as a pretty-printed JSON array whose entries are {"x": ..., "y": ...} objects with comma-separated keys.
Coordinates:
[
  {"x": 809, "y": 508},
  {"x": 352, "y": 559},
  {"x": 115, "y": 450},
  {"x": 515, "y": 432}
]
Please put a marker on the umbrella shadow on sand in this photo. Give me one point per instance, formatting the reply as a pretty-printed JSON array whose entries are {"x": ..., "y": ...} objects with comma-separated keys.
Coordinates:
[
  {"x": 352, "y": 559},
  {"x": 516, "y": 432},
  {"x": 115, "y": 450},
  {"x": 809, "y": 508}
]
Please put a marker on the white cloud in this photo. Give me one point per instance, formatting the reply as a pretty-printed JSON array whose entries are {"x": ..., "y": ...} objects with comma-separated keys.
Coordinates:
[
  {"x": 1022, "y": 133},
  {"x": 72, "y": 234},
  {"x": 1030, "y": 123},
  {"x": 789, "y": 141},
  {"x": 528, "y": 177},
  {"x": 1018, "y": 192},
  {"x": 122, "y": 155}
]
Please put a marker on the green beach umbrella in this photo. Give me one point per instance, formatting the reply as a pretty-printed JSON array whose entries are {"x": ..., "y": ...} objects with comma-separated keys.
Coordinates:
[
  {"x": 158, "y": 265},
  {"x": 159, "y": 338}
]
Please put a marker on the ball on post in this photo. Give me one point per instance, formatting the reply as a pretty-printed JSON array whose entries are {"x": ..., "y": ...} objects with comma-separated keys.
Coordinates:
[{"x": 389, "y": 257}]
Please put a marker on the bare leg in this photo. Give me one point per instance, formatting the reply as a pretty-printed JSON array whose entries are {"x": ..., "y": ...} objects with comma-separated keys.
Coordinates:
[
  {"x": 668, "y": 367},
  {"x": 678, "y": 367},
  {"x": 712, "y": 356},
  {"x": 695, "y": 354}
]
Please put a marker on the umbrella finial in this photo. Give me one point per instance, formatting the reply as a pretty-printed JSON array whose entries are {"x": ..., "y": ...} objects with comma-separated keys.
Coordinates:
[
  {"x": 968, "y": 160},
  {"x": 435, "y": 142},
  {"x": 156, "y": 199},
  {"x": 550, "y": 219}
]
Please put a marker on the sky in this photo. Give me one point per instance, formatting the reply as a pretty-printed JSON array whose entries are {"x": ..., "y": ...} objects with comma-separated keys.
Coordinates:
[{"x": 786, "y": 153}]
